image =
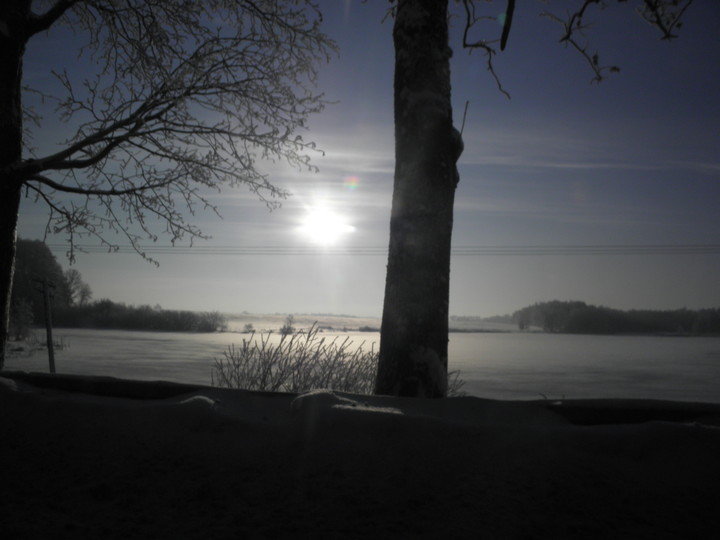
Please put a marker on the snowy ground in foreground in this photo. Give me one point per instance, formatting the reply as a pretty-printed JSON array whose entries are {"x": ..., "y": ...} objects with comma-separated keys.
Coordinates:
[{"x": 216, "y": 463}]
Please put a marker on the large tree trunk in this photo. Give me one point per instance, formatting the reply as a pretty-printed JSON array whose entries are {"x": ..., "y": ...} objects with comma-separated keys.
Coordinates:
[
  {"x": 414, "y": 334},
  {"x": 9, "y": 203},
  {"x": 12, "y": 47}
]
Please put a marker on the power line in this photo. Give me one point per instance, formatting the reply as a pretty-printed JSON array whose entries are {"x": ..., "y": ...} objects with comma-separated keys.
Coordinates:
[{"x": 461, "y": 251}]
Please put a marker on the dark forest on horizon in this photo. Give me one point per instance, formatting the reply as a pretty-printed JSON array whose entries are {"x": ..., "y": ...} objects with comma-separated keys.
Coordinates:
[
  {"x": 72, "y": 307},
  {"x": 575, "y": 317}
]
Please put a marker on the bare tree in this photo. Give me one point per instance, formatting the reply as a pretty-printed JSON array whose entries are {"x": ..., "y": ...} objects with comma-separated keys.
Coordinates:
[
  {"x": 414, "y": 334},
  {"x": 287, "y": 328},
  {"x": 74, "y": 281},
  {"x": 187, "y": 96},
  {"x": 84, "y": 294},
  {"x": 80, "y": 292}
]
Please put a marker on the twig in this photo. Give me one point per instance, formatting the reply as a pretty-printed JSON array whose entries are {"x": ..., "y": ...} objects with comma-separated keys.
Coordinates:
[{"x": 462, "y": 128}]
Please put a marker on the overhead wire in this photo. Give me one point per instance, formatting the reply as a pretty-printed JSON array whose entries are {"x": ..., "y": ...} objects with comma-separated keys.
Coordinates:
[{"x": 461, "y": 251}]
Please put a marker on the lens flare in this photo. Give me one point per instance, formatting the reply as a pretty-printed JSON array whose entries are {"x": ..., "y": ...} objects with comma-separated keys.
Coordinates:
[{"x": 351, "y": 182}]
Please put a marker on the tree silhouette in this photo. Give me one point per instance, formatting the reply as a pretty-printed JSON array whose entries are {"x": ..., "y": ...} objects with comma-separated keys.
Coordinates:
[
  {"x": 414, "y": 333},
  {"x": 80, "y": 292},
  {"x": 186, "y": 98},
  {"x": 35, "y": 263}
]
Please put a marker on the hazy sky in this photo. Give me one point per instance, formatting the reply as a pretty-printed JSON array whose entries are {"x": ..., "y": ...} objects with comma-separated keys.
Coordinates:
[{"x": 632, "y": 161}]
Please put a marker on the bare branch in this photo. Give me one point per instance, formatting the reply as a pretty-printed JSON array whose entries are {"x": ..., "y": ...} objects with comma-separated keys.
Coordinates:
[
  {"x": 187, "y": 97},
  {"x": 664, "y": 15},
  {"x": 507, "y": 24},
  {"x": 573, "y": 26},
  {"x": 471, "y": 18},
  {"x": 38, "y": 23},
  {"x": 88, "y": 191}
]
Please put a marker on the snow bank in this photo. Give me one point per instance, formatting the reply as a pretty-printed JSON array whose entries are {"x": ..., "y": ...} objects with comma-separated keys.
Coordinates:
[{"x": 211, "y": 462}]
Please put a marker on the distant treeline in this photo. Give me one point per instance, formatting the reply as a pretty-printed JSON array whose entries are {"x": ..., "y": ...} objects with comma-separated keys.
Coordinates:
[
  {"x": 72, "y": 306},
  {"x": 112, "y": 315},
  {"x": 581, "y": 318}
]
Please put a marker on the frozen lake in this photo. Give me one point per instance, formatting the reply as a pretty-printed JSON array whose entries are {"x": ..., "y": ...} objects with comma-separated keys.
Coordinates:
[{"x": 493, "y": 365}]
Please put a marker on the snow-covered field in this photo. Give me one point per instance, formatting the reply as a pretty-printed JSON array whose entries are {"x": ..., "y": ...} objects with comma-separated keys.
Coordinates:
[
  {"x": 493, "y": 365},
  {"x": 268, "y": 322},
  {"x": 213, "y": 463}
]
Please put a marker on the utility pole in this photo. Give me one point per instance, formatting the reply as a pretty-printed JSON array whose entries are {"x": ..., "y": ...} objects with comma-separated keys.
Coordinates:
[{"x": 46, "y": 286}]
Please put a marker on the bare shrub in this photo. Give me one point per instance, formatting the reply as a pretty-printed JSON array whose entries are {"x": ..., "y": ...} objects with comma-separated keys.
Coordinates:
[
  {"x": 32, "y": 343},
  {"x": 288, "y": 327},
  {"x": 297, "y": 363},
  {"x": 302, "y": 362},
  {"x": 455, "y": 383}
]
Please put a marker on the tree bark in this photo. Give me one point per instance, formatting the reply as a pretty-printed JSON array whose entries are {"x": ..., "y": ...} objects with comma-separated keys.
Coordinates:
[
  {"x": 9, "y": 205},
  {"x": 12, "y": 47},
  {"x": 414, "y": 333}
]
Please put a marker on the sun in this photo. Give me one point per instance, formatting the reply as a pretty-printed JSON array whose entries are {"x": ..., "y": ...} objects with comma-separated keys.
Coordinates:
[{"x": 324, "y": 227}]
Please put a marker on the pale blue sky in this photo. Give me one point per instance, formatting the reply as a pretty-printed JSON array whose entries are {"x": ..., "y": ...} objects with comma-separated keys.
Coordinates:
[{"x": 634, "y": 160}]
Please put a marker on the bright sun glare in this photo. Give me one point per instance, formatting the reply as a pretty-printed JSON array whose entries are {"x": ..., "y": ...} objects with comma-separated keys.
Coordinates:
[{"x": 324, "y": 227}]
